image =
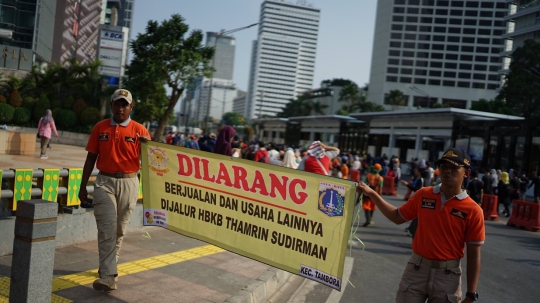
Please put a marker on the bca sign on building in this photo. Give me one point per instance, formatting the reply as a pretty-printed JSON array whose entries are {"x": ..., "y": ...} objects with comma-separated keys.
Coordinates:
[
  {"x": 112, "y": 52},
  {"x": 15, "y": 58}
]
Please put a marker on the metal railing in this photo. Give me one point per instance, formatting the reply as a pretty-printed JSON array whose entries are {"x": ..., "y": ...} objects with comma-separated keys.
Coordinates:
[{"x": 9, "y": 175}]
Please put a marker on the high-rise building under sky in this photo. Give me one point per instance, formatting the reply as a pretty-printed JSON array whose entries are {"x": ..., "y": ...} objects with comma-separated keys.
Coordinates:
[
  {"x": 438, "y": 51},
  {"x": 523, "y": 23},
  {"x": 283, "y": 56}
]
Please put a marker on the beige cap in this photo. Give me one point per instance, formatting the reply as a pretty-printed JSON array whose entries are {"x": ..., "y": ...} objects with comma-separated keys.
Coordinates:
[{"x": 122, "y": 94}]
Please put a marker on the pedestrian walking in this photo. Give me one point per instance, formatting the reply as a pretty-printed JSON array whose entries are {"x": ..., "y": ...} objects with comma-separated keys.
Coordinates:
[
  {"x": 536, "y": 183},
  {"x": 523, "y": 182},
  {"x": 448, "y": 219},
  {"x": 114, "y": 147},
  {"x": 504, "y": 193},
  {"x": 413, "y": 186},
  {"x": 487, "y": 181},
  {"x": 46, "y": 127},
  {"x": 475, "y": 188},
  {"x": 375, "y": 182}
]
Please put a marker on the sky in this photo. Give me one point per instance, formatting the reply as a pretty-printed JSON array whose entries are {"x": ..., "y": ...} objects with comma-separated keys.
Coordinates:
[{"x": 345, "y": 32}]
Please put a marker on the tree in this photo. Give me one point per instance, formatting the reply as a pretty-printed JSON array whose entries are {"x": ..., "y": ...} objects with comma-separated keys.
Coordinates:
[
  {"x": 232, "y": 119},
  {"x": 521, "y": 89},
  {"x": 496, "y": 106},
  {"x": 165, "y": 55},
  {"x": 395, "y": 98},
  {"x": 336, "y": 82},
  {"x": 317, "y": 108},
  {"x": 350, "y": 94}
]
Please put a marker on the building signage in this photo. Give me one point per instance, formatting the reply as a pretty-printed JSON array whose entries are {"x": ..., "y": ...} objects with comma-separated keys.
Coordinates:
[
  {"x": 15, "y": 58},
  {"x": 112, "y": 35}
]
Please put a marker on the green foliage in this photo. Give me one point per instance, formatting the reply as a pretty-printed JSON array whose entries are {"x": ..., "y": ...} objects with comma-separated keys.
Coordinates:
[
  {"x": 3, "y": 99},
  {"x": 395, "y": 98},
  {"x": 496, "y": 106},
  {"x": 232, "y": 119},
  {"x": 79, "y": 106},
  {"x": 29, "y": 103},
  {"x": 90, "y": 116},
  {"x": 336, "y": 82},
  {"x": 42, "y": 105},
  {"x": 300, "y": 107},
  {"x": 55, "y": 112},
  {"x": 56, "y": 103},
  {"x": 15, "y": 99},
  {"x": 6, "y": 112},
  {"x": 165, "y": 54},
  {"x": 69, "y": 103},
  {"x": 521, "y": 89},
  {"x": 21, "y": 116},
  {"x": 66, "y": 118}
]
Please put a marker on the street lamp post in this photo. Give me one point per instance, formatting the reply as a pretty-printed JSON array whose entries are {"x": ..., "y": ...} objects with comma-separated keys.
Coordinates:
[{"x": 219, "y": 35}]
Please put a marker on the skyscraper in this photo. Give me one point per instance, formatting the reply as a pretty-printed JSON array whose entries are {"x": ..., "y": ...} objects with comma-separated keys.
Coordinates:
[
  {"x": 224, "y": 55},
  {"x": 523, "y": 23},
  {"x": 437, "y": 51},
  {"x": 283, "y": 56},
  {"x": 76, "y": 30},
  {"x": 223, "y": 87}
]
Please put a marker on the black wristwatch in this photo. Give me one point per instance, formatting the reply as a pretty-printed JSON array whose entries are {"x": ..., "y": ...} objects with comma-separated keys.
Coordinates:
[{"x": 472, "y": 295}]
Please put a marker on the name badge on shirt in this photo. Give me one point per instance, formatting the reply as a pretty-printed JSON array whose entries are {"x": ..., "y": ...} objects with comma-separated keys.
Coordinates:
[
  {"x": 130, "y": 139},
  {"x": 458, "y": 213},
  {"x": 103, "y": 136},
  {"x": 428, "y": 203}
]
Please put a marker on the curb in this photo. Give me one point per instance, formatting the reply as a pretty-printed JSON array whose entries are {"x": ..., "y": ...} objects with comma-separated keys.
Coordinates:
[{"x": 260, "y": 290}]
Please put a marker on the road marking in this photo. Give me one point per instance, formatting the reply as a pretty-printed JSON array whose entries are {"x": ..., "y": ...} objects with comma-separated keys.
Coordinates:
[{"x": 124, "y": 269}]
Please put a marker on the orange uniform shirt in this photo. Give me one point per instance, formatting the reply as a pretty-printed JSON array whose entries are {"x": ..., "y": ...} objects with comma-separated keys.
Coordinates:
[
  {"x": 117, "y": 145},
  {"x": 443, "y": 229}
]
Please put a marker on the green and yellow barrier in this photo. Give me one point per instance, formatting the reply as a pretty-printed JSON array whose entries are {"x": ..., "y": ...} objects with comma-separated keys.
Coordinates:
[
  {"x": 49, "y": 184},
  {"x": 21, "y": 186},
  {"x": 73, "y": 185}
]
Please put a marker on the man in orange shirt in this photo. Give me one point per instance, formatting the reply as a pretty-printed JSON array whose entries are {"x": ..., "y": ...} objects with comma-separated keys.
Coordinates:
[
  {"x": 447, "y": 220},
  {"x": 116, "y": 145},
  {"x": 375, "y": 182}
]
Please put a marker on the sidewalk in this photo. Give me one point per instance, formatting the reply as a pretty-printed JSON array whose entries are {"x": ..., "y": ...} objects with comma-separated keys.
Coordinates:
[
  {"x": 155, "y": 266},
  {"x": 60, "y": 156}
]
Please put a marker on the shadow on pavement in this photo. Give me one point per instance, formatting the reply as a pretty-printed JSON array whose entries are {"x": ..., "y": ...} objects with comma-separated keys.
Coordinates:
[{"x": 530, "y": 262}]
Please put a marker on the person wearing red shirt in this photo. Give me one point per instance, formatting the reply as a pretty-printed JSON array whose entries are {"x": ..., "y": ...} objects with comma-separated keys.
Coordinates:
[
  {"x": 114, "y": 147},
  {"x": 261, "y": 155},
  {"x": 448, "y": 219},
  {"x": 318, "y": 157}
]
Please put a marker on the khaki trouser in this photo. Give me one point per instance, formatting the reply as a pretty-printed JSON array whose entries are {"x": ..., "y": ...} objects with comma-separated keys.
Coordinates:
[
  {"x": 114, "y": 201},
  {"x": 44, "y": 142},
  {"x": 420, "y": 282}
]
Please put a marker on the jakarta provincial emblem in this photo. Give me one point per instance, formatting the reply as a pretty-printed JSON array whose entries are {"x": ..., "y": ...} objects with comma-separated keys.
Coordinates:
[{"x": 331, "y": 199}]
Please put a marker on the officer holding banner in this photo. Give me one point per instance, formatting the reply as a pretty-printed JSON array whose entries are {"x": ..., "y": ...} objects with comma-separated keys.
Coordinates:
[
  {"x": 448, "y": 219},
  {"x": 115, "y": 144}
]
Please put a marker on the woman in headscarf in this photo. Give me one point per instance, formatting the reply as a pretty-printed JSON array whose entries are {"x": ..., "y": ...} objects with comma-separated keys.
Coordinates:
[
  {"x": 45, "y": 128},
  {"x": 289, "y": 159},
  {"x": 224, "y": 140},
  {"x": 503, "y": 193}
]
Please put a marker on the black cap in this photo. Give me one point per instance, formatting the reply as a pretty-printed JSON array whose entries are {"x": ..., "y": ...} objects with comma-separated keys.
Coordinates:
[{"x": 455, "y": 156}]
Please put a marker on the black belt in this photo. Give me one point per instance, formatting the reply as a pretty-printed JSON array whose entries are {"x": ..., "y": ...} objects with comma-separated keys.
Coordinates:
[{"x": 119, "y": 175}]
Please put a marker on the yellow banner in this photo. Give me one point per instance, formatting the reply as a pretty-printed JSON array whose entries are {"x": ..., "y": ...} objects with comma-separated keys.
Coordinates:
[{"x": 290, "y": 219}]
